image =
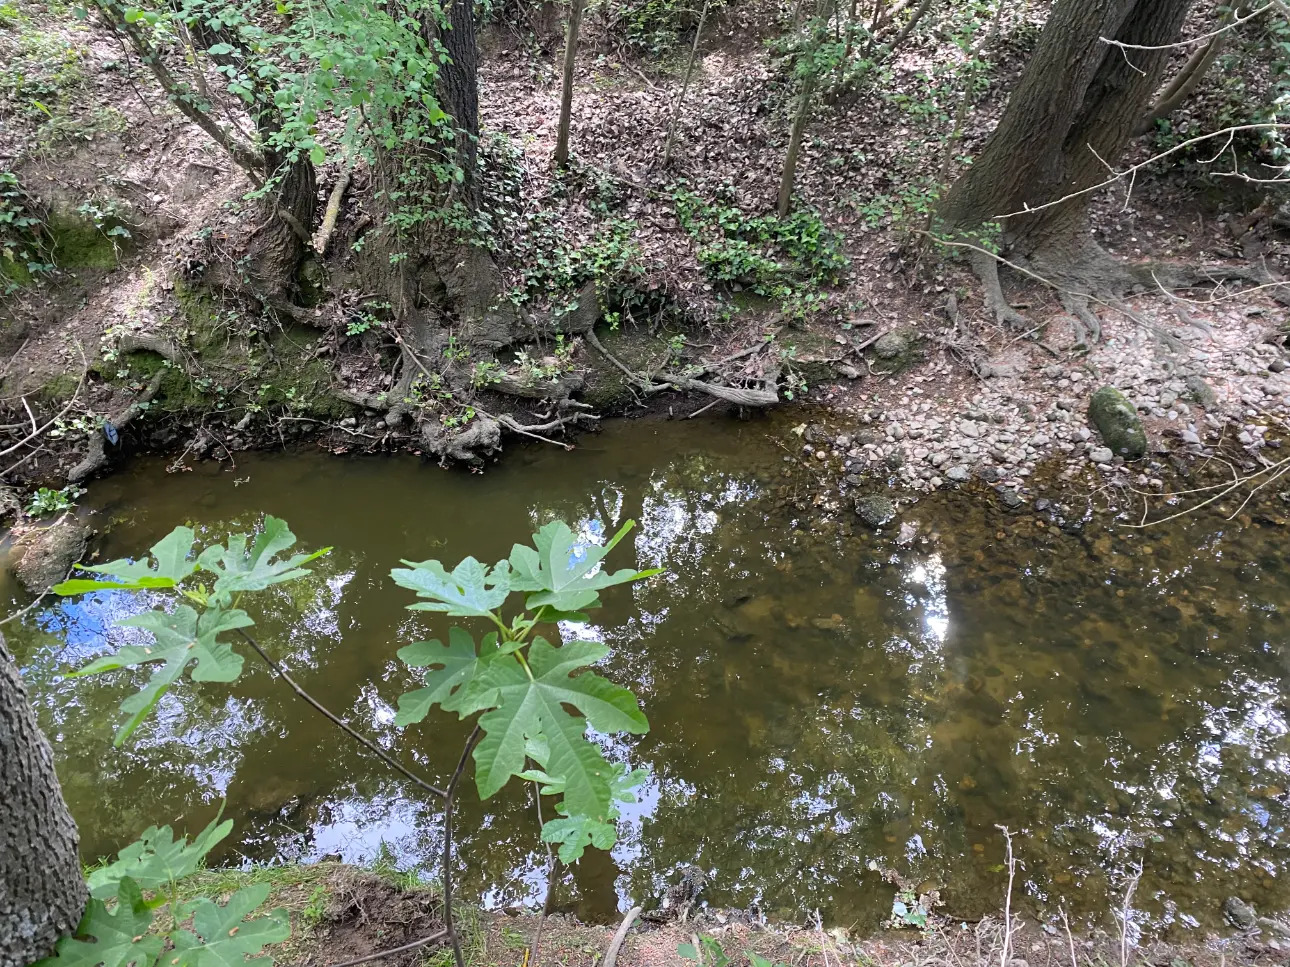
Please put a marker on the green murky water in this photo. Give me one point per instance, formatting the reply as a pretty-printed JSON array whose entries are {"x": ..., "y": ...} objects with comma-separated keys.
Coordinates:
[{"x": 823, "y": 703}]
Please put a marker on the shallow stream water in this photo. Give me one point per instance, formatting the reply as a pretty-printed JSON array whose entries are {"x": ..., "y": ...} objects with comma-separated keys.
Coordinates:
[{"x": 825, "y": 704}]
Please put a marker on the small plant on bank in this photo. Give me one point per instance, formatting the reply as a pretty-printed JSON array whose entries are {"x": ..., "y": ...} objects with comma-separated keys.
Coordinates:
[
  {"x": 23, "y": 254},
  {"x": 709, "y": 953},
  {"x": 45, "y": 501},
  {"x": 780, "y": 258},
  {"x": 531, "y": 707}
]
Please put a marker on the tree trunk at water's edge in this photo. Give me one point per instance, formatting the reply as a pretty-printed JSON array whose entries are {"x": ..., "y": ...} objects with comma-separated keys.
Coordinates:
[{"x": 42, "y": 890}]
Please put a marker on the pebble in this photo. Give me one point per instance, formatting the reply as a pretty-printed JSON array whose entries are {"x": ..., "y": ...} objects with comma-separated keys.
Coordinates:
[
  {"x": 959, "y": 474},
  {"x": 1101, "y": 455},
  {"x": 1190, "y": 437}
]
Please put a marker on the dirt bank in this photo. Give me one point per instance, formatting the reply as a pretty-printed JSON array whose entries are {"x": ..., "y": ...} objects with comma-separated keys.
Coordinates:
[{"x": 339, "y": 913}]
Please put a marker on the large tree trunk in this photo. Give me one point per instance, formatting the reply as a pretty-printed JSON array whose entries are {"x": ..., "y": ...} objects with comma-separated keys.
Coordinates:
[
  {"x": 459, "y": 90},
  {"x": 1071, "y": 114},
  {"x": 469, "y": 277},
  {"x": 279, "y": 245},
  {"x": 42, "y": 890}
]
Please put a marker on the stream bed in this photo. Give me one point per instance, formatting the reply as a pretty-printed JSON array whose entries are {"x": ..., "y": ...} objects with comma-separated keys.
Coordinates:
[{"x": 826, "y": 704}]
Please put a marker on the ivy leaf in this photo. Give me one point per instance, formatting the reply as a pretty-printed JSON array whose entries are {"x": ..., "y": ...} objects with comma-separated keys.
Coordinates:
[
  {"x": 576, "y": 833},
  {"x": 181, "y": 637},
  {"x": 455, "y": 665},
  {"x": 171, "y": 565},
  {"x": 238, "y": 569},
  {"x": 117, "y": 939},
  {"x": 564, "y": 575},
  {"x": 157, "y": 858},
  {"x": 530, "y": 708},
  {"x": 470, "y": 591},
  {"x": 223, "y": 937}
]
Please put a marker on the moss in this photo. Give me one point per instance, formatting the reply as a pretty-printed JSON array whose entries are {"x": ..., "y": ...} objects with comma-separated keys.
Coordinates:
[
  {"x": 59, "y": 389},
  {"x": 197, "y": 306},
  {"x": 1118, "y": 422},
  {"x": 14, "y": 273},
  {"x": 78, "y": 244},
  {"x": 287, "y": 377},
  {"x": 607, "y": 386}
]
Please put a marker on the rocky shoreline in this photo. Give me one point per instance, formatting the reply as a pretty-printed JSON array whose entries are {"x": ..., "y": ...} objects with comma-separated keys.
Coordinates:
[{"x": 1131, "y": 414}]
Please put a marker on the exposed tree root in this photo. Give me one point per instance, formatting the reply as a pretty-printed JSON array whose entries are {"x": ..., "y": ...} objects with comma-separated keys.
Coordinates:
[
  {"x": 96, "y": 457},
  {"x": 740, "y": 396},
  {"x": 1090, "y": 276}
]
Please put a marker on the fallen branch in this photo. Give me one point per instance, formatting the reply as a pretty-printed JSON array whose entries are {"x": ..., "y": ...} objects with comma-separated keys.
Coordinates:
[
  {"x": 731, "y": 394},
  {"x": 414, "y": 945},
  {"x": 611, "y": 955},
  {"x": 333, "y": 210}
]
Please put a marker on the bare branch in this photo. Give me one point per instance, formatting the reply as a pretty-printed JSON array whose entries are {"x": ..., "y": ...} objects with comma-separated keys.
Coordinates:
[
  {"x": 1129, "y": 172},
  {"x": 35, "y": 432},
  {"x": 415, "y": 945},
  {"x": 1194, "y": 40},
  {"x": 358, "y": 737}
]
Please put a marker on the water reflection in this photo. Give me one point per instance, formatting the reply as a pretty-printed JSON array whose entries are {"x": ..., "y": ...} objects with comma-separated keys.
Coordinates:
[{"x": 824, "y": 705}]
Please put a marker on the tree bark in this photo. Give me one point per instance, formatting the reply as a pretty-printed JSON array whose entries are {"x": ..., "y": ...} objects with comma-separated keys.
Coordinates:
[
  {"x": 42, "y": 890},
  {"x": 459, "y": 91},
  {"x": 279, "y": 246},
  {"x": 1071, "y": 114},
  {"x": 795, "y": 135},
  {"x": 1193, "y": 71},
  {"x": 566, "y": 91}
]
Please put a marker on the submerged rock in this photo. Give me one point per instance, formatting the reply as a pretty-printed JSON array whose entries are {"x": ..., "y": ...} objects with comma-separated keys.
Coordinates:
[
  {"x": 1239, "y": 913},
  {"x": 49, "y": 553},
  {"x": 875, "y": 510},
  {"x": 1118, "y": 422}
]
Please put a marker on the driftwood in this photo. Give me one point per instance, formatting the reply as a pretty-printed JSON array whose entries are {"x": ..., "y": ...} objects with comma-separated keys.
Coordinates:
[{"x": 740, "y": 396}]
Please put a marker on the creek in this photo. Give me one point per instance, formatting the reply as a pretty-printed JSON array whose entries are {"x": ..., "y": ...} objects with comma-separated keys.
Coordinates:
[{"x": 825, "y": 703}]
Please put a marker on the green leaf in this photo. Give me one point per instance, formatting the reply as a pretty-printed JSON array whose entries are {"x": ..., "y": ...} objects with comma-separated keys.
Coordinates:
[
  {"x": 182, "y": 637},
  {"x": 238, "y": 569},
  {"x": 757, "y": 960},
  {"x": 454, "y": 664},
  {"x": 470, "y": 591},
  {"x": 576, "y": 833},
  {"x": 317, "y": 155},
  {"x": 156, "y": 858},
  {"x": 169, "y": 566},
  {"x": 687, "y": 951},
  {"x": 563, "y": 575},
  {"x": 530, "y": 709},
  {"x": 118, "y": 938},
  {"x": 223, "y": 937}
]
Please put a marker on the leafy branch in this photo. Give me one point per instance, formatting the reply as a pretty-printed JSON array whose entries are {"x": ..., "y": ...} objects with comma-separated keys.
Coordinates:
[{"x": 532, "y": 699}]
